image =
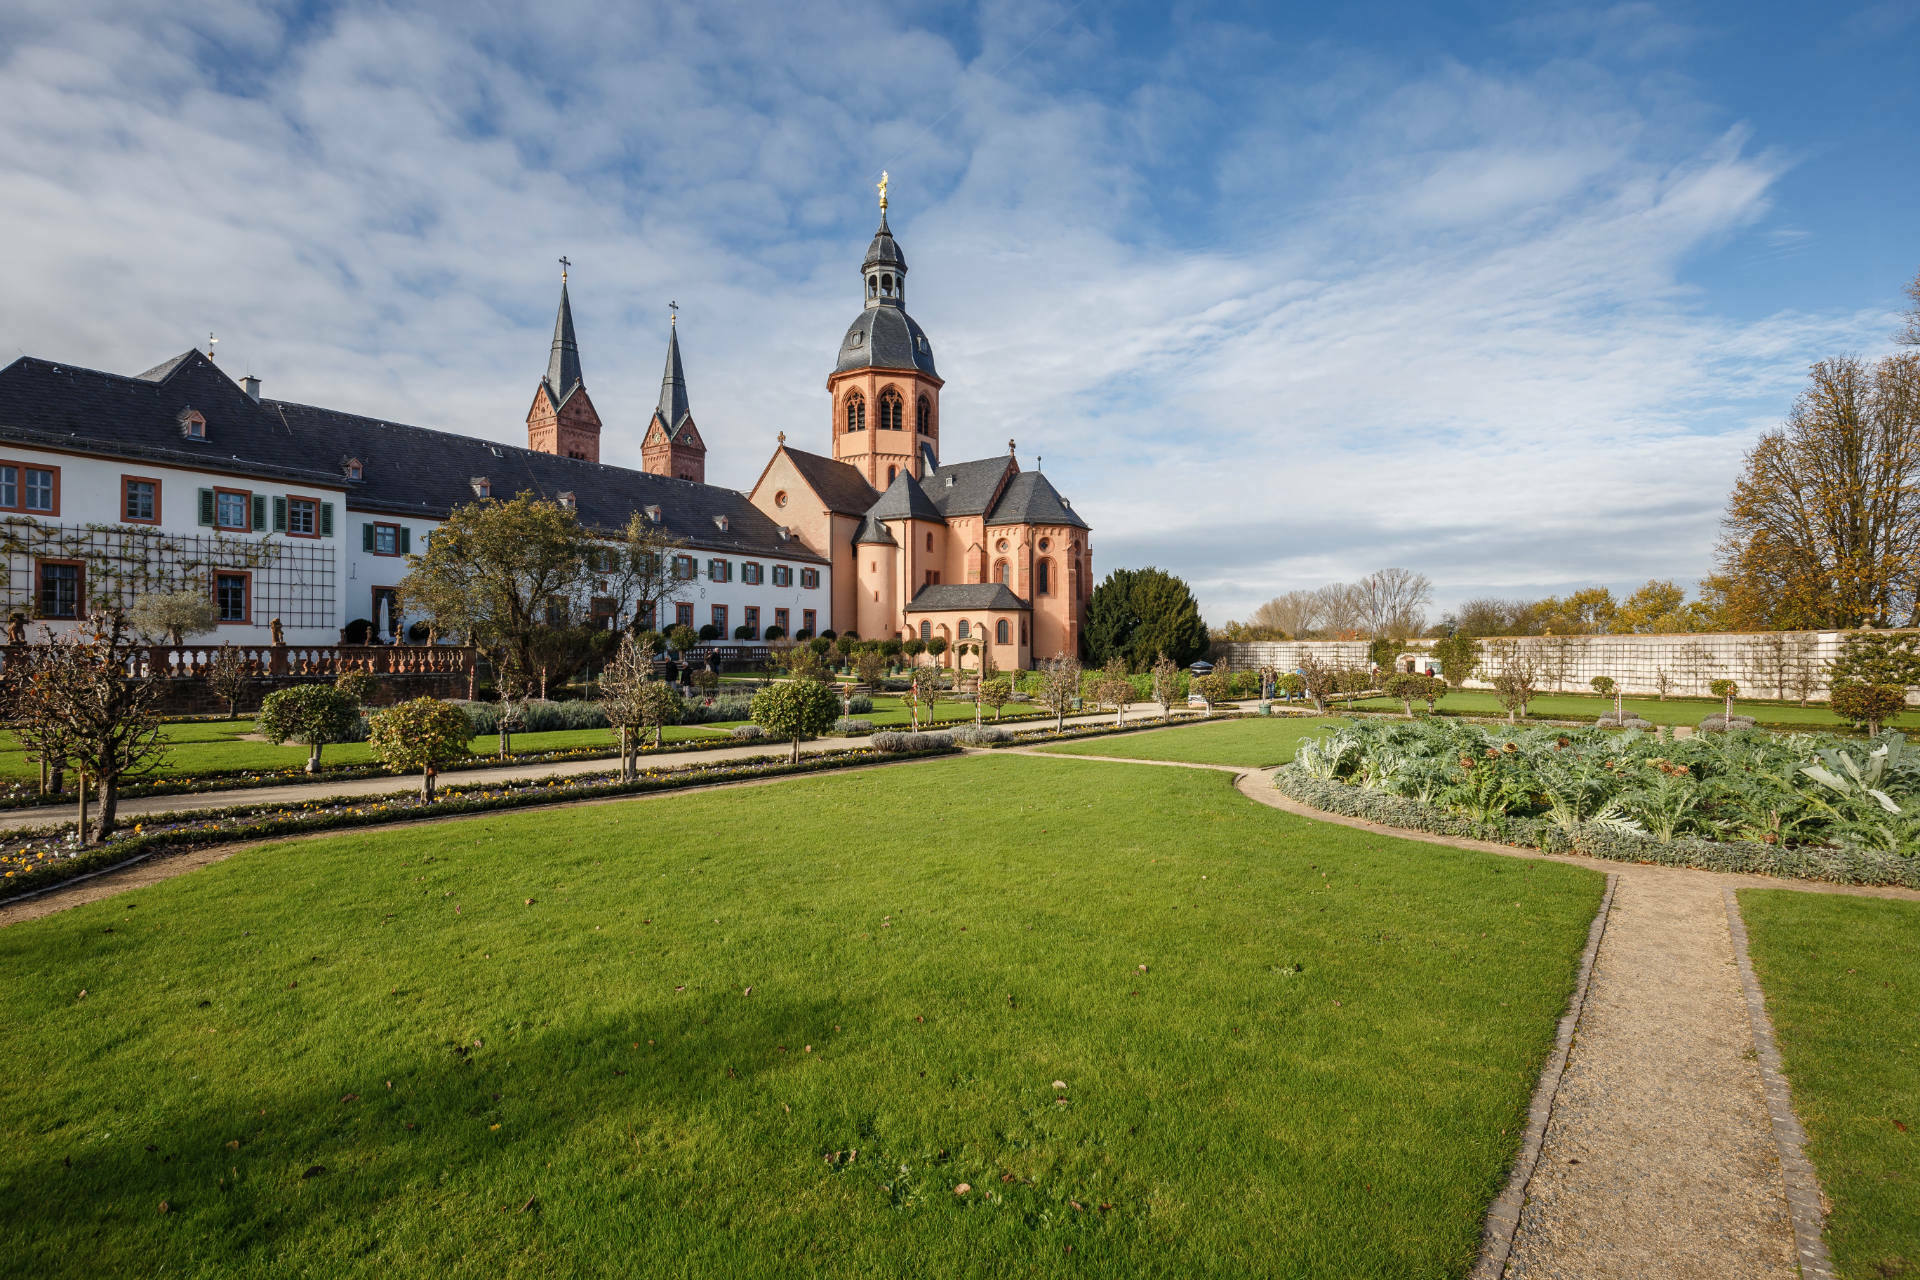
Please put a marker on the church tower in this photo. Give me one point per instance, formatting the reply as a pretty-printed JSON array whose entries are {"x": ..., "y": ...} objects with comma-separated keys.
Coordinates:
[
  {"x": 562, "y": 419},
  {"x": 673, "y": 446},
  {"x": 886, "y": 392}
]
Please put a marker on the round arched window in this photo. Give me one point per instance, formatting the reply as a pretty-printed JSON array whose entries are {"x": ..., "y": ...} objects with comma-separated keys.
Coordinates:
[{"x": 780, "y": 498}]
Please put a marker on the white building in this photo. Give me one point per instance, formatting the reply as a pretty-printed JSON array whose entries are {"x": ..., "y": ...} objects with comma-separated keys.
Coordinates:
[{"x": 112, "y": 486}]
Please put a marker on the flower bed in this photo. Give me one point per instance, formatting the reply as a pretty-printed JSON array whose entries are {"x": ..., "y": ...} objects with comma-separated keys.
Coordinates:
[
  {"x": 34, "y": 860},
  {"x": 23, "y": 796},
  {"x": 1807, "y": 806}
]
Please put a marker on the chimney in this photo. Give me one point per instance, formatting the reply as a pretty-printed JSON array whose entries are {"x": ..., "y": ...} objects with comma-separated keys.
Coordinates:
[{"x": 251, "y": 385}]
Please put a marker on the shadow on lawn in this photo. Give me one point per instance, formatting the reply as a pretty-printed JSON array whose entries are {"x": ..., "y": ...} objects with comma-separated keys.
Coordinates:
[{"x": 322, "y": 1170}]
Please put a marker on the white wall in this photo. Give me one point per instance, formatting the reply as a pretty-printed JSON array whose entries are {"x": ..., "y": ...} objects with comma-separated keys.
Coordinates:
[{"x": 294, "y": 578}]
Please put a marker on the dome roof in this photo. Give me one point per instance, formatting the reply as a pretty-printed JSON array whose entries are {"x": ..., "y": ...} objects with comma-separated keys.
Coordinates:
[
  {"x": 885, "y": 337},
  {"x": 884, "y": 252}
]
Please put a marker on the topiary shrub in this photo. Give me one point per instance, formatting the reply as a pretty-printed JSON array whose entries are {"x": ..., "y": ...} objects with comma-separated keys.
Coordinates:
[
  {"x": 851, "y": 727},
  {"x": 313, "y": 714},
  {"x": 1720, "y": 723},
  {"x": 358, "y": 685},
  {"x": 1602, "y": 685},
  {"x": 748, "y": 732},
  {"x": 859, "y": 705},
  {"x": 893, "y": 741},
  {"x": 1629, "y": 721},
  {"x": 1866, "y": 704},
  {"x": 423, "y": 734}
]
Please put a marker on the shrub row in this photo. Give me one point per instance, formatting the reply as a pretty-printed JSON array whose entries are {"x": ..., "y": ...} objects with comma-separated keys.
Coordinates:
[
  {"x": 258, "y": 822},
  {"x": 912, "y": 742},
  {"x": 1749, "y": 857}
]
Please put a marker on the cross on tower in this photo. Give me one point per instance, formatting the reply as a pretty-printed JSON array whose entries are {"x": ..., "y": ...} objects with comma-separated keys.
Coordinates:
[
  {"x": 673, "y": 313},
  {"x": 564, "y": 264}
]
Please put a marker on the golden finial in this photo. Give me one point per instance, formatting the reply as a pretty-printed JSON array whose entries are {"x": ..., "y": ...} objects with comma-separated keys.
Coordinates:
[
  {"x": 783, "y": 437},
  {"x": 564, "y": 264},
  {"x": 883, "y": 191}
]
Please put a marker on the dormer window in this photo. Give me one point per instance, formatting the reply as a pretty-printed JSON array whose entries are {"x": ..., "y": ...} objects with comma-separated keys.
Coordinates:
[
  {"x": 566, "y": 500},
  {"x": 354, "y": 470},
  {"x": 192, "y": 424},
  {"x": 653, "y": 515},
  {"x": 720, "y": 523},
  {"x": 482, "y": 487}
]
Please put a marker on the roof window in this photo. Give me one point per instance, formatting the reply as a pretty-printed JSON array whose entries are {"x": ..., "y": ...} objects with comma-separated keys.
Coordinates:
[
  {"x": 653, "y": 514},
  {"x": 720, "y": 523},
  {"x": 482, "y": 487},
  {"x": 567, "y": 501},
  {"x": 193, "y": 425},
  {"x": 354, "y": 470}
]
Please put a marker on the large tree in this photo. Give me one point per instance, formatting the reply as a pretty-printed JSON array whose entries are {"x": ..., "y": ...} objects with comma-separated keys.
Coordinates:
[
  {"x": 1823, "y": 527},
  {"x": 497, "y": 572},
  {"x": 1393, "y": 602},
  {"x": 1138, "y": 614},
  {"x": 1909, "y": 334}
]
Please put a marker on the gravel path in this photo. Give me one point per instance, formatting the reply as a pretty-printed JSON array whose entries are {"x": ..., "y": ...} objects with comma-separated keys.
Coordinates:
[{"x": 1659, "y": 1157}]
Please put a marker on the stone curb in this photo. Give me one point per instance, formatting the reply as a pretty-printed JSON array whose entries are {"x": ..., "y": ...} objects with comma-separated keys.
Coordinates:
[
  {"x": 1802, "y": 1183},
  {"x": 1503, "y": 1215}
]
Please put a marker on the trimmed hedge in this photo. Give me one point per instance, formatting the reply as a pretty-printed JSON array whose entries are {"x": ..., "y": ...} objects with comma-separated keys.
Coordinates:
[
  {"x": 1749, "y": 857},
  {"x": 913, "y": 741},
  {"x": 263, "y": 822}
]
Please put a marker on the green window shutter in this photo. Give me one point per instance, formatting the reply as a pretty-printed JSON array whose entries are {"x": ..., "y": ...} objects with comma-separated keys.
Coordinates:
[
  {"x": 326, "y": 519},
  {"x": 279, "y": 515},
  {"x": 366, "y": 536},
  {"x": 406, "y": 540},
  {"x": 206, "y": 507},
  {"x": 259, "y": 511}
]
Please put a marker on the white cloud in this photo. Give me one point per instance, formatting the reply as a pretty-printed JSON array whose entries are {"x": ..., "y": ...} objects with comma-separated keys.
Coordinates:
[{"x": 1267, "y": 329}]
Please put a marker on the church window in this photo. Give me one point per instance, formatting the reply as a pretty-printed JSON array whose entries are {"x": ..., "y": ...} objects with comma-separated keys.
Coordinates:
[
  {"x": 929, "y": 539},
  {"x": 856, "y": 412},
  {"x": 926, "y": 631},
  {"x": 963, "y": 629},
  {"x": 923, "y": 416},
  {"x": 780, "y": 498},
  {"x": 1000, "y": 568},
  {"x": 891, "y": 473},
  {"x": 1043, "y": 577},
  {"x": 1045, "y": 544},
  {"x": 1000, "y": 632},
  {"x": 891, "y": 409},
  {"x": 1001, "y": 546}
]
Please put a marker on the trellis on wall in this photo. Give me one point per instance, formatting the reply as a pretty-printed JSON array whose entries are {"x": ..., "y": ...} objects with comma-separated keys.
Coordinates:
[{"x": 294, "y": 581}]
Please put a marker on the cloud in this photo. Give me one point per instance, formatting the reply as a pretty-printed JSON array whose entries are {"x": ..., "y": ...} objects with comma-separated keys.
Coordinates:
[{"x": 1273, "y": 315}]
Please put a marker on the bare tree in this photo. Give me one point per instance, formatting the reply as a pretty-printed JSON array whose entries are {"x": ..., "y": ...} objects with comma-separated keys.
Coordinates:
[
  {"x": 1909, "y": 334},
  {"x": 1166, "y": 680},
  {"x": 1698, "y": 663},
  {"x": 1059, "y": 686},
  {"x": 1340, "y": 609},
  {"x": 1392, "y": 602},
  {"x": 627, "y": 697},
  {"x": 1290, "y": 614}
]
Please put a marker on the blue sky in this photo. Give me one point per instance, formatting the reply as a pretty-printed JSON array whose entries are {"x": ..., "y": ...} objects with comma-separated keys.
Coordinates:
[{"x": 1281, "y": 293}]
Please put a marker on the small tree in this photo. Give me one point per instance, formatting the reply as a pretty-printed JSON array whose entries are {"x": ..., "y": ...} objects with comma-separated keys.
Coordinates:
[
  {"x": 227, "y": 676},
  {"x": 890, "y": 650},
  {"x": 174, "y": 614},
  {"x": 1059, "y": 686},
  {"x": 1436, "y": 689},
  {"x": 1602, "y": 685},
  {"x": 919, "y": 692},
  {"x": 1407, "y": 687},
  {"x": 936, "y": 647},
  {"x": 996, "y": 693},
  {"x": 1321, "y": 679},
  {"x": 913, "y": 649},
  {"x": 684, "y": 640},
  {"x": 1662, "y": 682},
  {"x": 357, "y": 685},
  {"x": 1727, "y": 691},
  {"x": 625, "y": 697},
  {"x": 423, "y": 734},
  {"x": 1871, "y": 705},
  {"x": 1115, "y": 688},
  {"x": 311, "y": 714},
  {"x": 1215, "y": 687},
  {"x": 796, "y": 709},
  {"x": 659, "y": 706},
  {"x": 1166, "y": 684},
  {"x": 1289, "y": 685},
  {"x": 1458, "y": 656},
  {"x": 870, "y": 666},
  {"x": 512, "y": 689},
  {"x": 80, "y": 694}
]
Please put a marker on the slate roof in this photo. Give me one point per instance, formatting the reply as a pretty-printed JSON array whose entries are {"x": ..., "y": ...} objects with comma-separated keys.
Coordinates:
[
  {"x": 884, "y": 251},
  {"x": 905, "y": 500},
  {"x": 956, "y": 596},
  {"x": 884, "y": 336},
  {"x": 872, "y": 531},
  {"x": 563, "y": 365},
  {"x": 408, "y": 471},
  {"x": 966, "y": 488},
  {"x": 841, "y": 487},
  {"x": 674, "y": 409},
  {"x": 1031, "y": 499}
]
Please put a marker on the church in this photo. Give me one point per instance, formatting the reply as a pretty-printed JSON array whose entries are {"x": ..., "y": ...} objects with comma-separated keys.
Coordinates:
[
  {"x": 299, "y": 519},
  {"x": 977, "y": 551}
]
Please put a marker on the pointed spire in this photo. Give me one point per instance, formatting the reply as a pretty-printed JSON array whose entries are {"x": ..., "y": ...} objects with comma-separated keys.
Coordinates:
[
  {"x": 673, "y": 383},
  {"x": 563, "y": 366}
]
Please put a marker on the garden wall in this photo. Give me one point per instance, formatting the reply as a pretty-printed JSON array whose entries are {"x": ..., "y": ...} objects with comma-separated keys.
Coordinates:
[{"x": 1767, "y": 664}]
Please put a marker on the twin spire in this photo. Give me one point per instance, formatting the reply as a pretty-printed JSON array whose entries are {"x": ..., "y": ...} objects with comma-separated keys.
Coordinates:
[{"x": 563, "y": 362}]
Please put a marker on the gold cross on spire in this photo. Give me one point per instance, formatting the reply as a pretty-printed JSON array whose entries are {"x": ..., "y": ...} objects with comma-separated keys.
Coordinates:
[
  {"x": 883, "y": 191},
  {"x": 564, "y": 264},
  {"x": 673, "y": 314}
]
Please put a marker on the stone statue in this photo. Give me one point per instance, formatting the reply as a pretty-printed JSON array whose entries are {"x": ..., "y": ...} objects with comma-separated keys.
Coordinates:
[
  {"x": 16, "y": 628},
  {"x": 279, "y": 636}
]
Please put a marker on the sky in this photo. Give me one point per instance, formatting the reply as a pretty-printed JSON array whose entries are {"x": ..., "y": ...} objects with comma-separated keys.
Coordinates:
[{"x": 1278, "y": 294}]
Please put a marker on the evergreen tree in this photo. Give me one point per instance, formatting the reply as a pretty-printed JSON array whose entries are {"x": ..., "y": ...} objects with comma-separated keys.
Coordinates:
[{"x": 1138, "y": 614}]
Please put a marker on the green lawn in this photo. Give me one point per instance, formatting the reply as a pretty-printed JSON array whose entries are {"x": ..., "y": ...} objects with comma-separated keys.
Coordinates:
[
  {"x": 1287, "y": 1048},
  {"x": 1255, "y": 741},
  {"x": 1673, "y": 711},
  {"x": 205, "y": 747},
  {"x": 1842, "y": 981}
]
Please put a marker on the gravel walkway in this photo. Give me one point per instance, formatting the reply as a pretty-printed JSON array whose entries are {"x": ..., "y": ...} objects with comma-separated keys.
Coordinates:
[{"x": 1659, "y": 1157}]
